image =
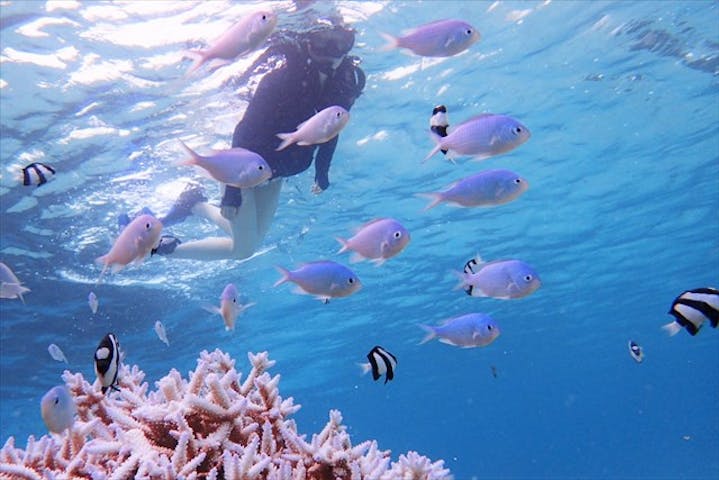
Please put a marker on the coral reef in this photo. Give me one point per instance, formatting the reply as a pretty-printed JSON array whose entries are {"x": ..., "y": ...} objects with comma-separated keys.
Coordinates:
[{"x": 212, "y": 426}]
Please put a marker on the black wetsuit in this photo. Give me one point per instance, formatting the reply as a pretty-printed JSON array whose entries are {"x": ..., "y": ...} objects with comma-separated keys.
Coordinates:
[{"x": 288, "y": 94}]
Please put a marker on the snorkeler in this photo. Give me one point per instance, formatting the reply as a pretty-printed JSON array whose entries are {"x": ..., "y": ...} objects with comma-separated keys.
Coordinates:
[{"x": 302, "y": 74}]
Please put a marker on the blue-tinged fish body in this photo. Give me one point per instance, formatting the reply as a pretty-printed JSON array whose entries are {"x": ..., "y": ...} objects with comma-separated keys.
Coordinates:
[
  {"x": 57, "y": 409},
  {"x": 483, "y": 136},
  {"x": 470, "y": 330},
  {"x": 442, "y": 38},
  {"x": 324, "y": 279},
  {"x": 107, "y": 362},
  {"x": 502, "y": 279},
  {"x": 483, "y": 189}
]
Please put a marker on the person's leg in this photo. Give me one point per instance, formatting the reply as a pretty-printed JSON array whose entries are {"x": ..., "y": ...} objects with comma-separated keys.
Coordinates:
[
  {"x": 267, "y": 198},
  {"x": 212, "y": 213}
]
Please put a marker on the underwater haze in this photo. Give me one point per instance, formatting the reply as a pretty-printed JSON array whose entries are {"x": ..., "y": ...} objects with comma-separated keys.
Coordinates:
[{"x": 621, "y": 216}]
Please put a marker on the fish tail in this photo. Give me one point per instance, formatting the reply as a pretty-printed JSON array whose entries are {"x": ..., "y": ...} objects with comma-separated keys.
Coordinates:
[
  {"x": 345, "y": 245},
  {"x": 287, "y": 140},
  {"x": 435, "y": 197},
  {"x": 431, "y": 333},
  {"x": 197, "y": 57},
  {"x": 462, "y": 277},
  {"x": 392, "y": 42},
  {"x": 672, "y": 328},
  {"x": 193, "y": 157},
  {"x": 285, "y": 276},
  {"x": 365, "y": 367}
]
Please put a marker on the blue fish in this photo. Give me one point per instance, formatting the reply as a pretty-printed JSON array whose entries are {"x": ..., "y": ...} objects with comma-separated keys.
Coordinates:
[
  {"x": 466, "y": 331},
  {"x": 58, "y": 409},
  {"x": 324, "y": 279},
  {"x": 503, "y": 279}
]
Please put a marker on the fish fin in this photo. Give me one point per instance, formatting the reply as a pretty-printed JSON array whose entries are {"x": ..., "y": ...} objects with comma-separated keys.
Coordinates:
[
  {"x": 356, "y": 257},
  {"x": 672, "y": 328},
  {"x": 242, "y": 308},
  {"x": 197, "y": 57},
  {"x": 446, "y": 341},
  {"x": 216, "y": 63},
  {"x": 286, "y": 276},
  {"x": 322, "y": 298},
  {"x": 345, "y": 245},
  {"x": 366, "y": 367},
  {"x": 392, "y": 42},
  {"x": 437, "y": 147},
  {"x": 22, "y": 290},
  {"x": 378, "y": 262},
  {"x": 462, "y": 277},
  {"x": 193, "y": 157},
  {"x": 431, "y": 333},
  {"x": 212, "y": 309},
  {"x": 435, "y": 197},
  {"x": 287, "y": 140}
]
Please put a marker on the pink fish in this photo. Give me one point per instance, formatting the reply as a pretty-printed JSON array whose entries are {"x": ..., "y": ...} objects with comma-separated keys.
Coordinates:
[
  {"x": 377, "y": 241},
  {"x": 442, "y": 38},
  {"x": 242, "y": 37},
  {"x": 238, "y": 167},
  {"x": 136, "y": 240},
  {"x": 229, "y": 307},
  {"x": 322, "y": 127}
]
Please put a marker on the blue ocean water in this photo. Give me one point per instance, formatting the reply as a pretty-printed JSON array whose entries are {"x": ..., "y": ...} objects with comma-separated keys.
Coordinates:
[{"x": 622, "y": 99}]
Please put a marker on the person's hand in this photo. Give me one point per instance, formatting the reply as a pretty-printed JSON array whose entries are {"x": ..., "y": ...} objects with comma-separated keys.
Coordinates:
[
  {"x": 229, "y": 212},
  {"x": 316, "y": 189}
]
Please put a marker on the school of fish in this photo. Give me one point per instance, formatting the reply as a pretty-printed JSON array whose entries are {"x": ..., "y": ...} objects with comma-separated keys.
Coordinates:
[{"x": 378, "y": 240}]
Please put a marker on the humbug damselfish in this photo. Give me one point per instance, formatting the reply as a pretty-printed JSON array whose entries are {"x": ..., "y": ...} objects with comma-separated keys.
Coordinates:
[
  {"x": 107, "y": 362},
  {"x": 692, "y": 308}
]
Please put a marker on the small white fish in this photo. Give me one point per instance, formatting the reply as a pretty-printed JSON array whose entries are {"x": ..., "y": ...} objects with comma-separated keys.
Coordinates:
[
  {"x": 161, "y": 334},
  {"x": 238, "y": 167},
  {"x": 242, "y": 37},
  {"x": 57, "y": 409},
  {"x": 10, "y": 286},
  {"x": 377, "y": 241},
  {"x": 442, "y": 38},
  {"x": 56, "y": 353},
  {"x": 93, "y": 302},
  {"x": 322, "y": 127},
  {"x": 229, "y": 308},
  {"x": 134, "y": 243}
]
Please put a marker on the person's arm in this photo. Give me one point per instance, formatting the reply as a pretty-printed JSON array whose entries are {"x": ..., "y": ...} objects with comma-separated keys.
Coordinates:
[{"x": 322, "y": 165}]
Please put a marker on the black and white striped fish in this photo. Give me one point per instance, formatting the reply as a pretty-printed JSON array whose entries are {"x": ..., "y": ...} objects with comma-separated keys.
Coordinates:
[
  {"x": 37, "y": 174},
  {"x": 107, "y": 362},
  {"x": 692, "y": 308},
  {"x": 469, "y": 267},
  {"x": 381, "y": 362}
]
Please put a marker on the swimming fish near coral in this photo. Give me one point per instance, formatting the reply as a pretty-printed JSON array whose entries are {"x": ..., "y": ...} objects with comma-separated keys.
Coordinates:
[
  {"x": 636, "y": 352},
  {"x": 10, "y": 286},
  {"x": 93, "y": 302},
  {"x": 484, "y": 189},
  {"x": 230, "y": 308},
  {"x": 692, "y": 309},
  {"x": 238, "y": 167},
  {"x": 481, "y": 137},
  {"x": 377, "y": 241},
  {"x": 442, "y": 38},
  {"x": 503, "y": 279},
  {"x": 37, "y": 173},
  {"x": 161, "y": 334},
  {"x": 133, "y": 244},
  {"x": 56, "y": 353},
  {"x": 466, "y": 331},
  {"x": 107, "y": 362},
  {"x": 243, "y": 37},
  {"x": 324, "y": 279},
  {"x": 322, "y": 127},
  {"x": 381, "y": 362},
  {"x": 57, "y": 409}
]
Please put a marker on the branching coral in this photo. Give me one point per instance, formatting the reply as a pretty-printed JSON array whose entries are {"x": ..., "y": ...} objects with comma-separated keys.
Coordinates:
[{"x": 212, "y": 426}]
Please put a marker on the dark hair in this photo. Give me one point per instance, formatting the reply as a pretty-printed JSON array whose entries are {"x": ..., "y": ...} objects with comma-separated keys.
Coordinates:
[{"x": 333, "y": 42}]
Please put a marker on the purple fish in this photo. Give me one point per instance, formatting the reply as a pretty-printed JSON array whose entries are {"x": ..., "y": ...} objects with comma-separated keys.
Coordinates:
[
  {"x": 483, "y": 189},
  {"x": 324, "y": 279},
  {"x": 503, "y": 279},
  {"x": 238, "y": 167},
  {"x": 377, "y": 240},
  {"x": 466, "y": 331},
  {"x": 442, "y": 38},
  {"x": 483, "y": 136},
  {"x": 322, "y": 127}
]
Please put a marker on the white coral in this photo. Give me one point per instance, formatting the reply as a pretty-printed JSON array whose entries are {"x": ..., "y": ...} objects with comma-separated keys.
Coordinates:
[{"x": 209, "y": 426}]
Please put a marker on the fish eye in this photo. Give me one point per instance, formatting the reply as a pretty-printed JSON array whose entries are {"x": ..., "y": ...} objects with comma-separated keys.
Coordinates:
[
  {"x": 489, "y": 327},
  {"x": 397, "y": 234},
  {"x": 57, "y": 400},
  {"x": 339, "y": 114},
  {"x": 527, "y": 278},
  {"x": 517, "y": 130},
  {"x": 261, "y": 167},
  {"x": 469, "y": 31},
  {"x": 264, "y": 17},
  {"x": 351, "y": 280},
  {"x": 148, "y": 226},
  {"x": 517, "y": 181}
]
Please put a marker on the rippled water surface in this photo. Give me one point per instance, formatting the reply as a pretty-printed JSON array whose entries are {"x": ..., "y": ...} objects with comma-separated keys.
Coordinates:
[{"x": 622, "y": 99}]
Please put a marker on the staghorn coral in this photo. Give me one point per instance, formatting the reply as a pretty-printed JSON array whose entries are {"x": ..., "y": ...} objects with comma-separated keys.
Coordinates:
[{"x": 212, "y": 426}]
